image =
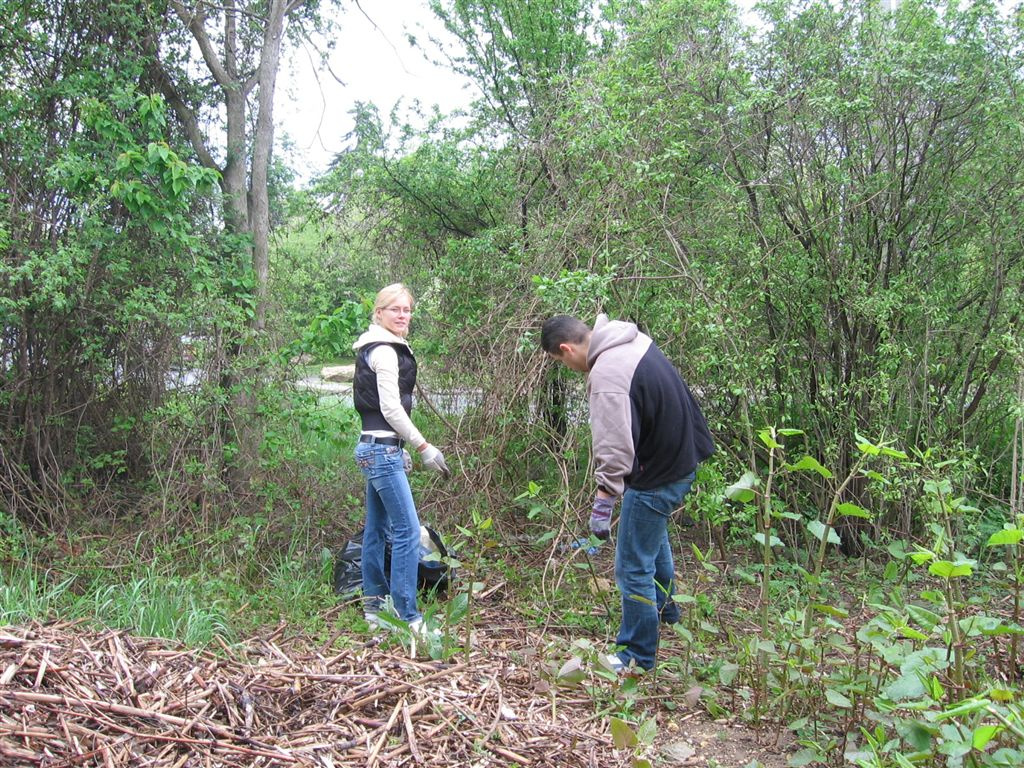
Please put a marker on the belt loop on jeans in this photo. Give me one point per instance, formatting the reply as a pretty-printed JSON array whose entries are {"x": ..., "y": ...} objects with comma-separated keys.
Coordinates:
[{"x": 382, "y": 440}]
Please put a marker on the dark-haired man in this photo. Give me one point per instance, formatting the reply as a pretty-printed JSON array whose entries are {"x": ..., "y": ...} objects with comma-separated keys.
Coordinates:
[{"x": 648, "y": 435}]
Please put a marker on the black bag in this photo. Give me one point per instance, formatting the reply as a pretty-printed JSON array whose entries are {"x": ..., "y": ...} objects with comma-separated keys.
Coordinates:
[{"x": 433, "y": 573}]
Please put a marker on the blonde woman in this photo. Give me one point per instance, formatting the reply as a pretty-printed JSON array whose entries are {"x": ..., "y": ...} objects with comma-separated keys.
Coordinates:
[{"x": 382, "y": 393}]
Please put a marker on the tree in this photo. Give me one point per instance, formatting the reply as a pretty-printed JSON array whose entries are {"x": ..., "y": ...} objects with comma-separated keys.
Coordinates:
[
  {"x": 240, "y": 45},
  {"x": 104, "y": 250}
]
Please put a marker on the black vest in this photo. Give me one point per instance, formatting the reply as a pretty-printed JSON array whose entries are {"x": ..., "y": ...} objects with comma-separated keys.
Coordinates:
[{"x": 364, "y": 386}]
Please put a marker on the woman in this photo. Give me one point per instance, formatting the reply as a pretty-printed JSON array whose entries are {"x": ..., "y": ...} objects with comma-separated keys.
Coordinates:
[{"x": 382, "y": 392}]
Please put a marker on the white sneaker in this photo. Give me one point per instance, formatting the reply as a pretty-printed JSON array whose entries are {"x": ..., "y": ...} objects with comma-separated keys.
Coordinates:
[
  {"x": 381, "y": 617},
  {"x": 612, "y": 662}
]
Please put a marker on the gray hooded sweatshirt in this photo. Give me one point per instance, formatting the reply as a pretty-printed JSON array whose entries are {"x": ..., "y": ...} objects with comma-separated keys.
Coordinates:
[{"x": 647, "y": 428}]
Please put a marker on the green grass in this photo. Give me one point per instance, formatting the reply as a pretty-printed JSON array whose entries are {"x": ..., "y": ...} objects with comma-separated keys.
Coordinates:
[{"x": 26, "y": 595}]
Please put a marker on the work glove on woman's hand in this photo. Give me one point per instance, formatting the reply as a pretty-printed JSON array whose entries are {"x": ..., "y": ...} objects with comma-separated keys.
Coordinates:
[
  {"x": 434, "y": 459},
  {"x": 601, "y": 517}
]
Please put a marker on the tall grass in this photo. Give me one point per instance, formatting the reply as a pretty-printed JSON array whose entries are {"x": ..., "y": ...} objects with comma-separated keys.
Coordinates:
[{"x": 26, "y": 596}]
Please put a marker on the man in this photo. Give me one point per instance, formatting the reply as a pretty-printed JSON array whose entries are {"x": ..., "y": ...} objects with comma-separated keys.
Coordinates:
[{"x": 648, "y": 435}]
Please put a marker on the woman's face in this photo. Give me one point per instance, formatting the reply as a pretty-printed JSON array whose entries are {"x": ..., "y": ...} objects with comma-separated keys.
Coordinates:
[{"x": 395, "y": 316}]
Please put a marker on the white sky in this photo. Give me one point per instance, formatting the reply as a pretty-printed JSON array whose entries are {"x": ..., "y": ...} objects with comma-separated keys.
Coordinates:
[{"x": 376, "y": 64}]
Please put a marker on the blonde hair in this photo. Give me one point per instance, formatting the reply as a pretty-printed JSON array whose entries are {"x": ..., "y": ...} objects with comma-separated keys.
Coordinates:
[{"x": 387, "y": 296}]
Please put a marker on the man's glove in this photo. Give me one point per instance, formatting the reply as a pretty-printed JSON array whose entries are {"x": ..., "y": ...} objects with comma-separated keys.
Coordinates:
[
  {"x": 406, "y": 461},
  {"x": 434, "y": 459},
  {"x": 601, "y": 517}
]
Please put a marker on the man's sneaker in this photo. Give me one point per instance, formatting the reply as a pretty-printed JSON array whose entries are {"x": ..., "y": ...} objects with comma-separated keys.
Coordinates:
[
  {"x": 612, "y": 662},
  {"x": 379, "y": 614}
]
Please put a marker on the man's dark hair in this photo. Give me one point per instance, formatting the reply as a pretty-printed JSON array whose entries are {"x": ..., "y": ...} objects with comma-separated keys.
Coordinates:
[{"x": 562, "y": 329}]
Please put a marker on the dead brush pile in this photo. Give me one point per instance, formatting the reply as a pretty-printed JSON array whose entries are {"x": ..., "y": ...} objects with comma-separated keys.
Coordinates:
[{"x": 72, "y": 696}]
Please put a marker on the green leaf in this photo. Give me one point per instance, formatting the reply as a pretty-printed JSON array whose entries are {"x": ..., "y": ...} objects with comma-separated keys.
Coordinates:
[
  {"x": 809, "y": 463},
  {"x": 727, "y": 673},
  {"x": 988, "y": 626},
  {"x": 789, "y": 432},
  {"x": 946, "y": 570},
  {"x": 983, "y": 734},
  {"x": 817, "y": 528},
  {"x": 892, "y": 452},
  {"x": 767, "y": 439},
  {"x": 775, "y": 541},
  {"x": 647, "y": 731},
  {"x": 836, "y": 699},
  {"x": 919, "y": 736},
  {"x": 866, "y": 447},
  {"x": 622, "y": 735},
  {"x": 1007, "y": 536},
  {"x": 571, "y": 673},
  {"x": 830, "y": 610},
  {"x": 927, "y": 619},
  {"x": 742, "y": 489},
  {"x": 852, "y": 510},
  {"x": 921, "y": 556}
]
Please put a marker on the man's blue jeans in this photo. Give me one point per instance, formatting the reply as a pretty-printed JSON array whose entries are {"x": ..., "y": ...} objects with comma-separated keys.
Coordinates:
[
  {"x": 390, "y": 513},
  {"x": 644, "y": 568}
]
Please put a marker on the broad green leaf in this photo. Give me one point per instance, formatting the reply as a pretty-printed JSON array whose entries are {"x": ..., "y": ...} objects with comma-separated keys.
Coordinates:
[
  {"x": 921, "y": 556},
  {"x": 852, "y": 510},
  {"x": 647, "y": 731},
  {"x": 918, "y": 735},
  {"x": 767, "y": 439},
  {"x": 775, "y": 541},
  {"x": 683, "y": 632},
  {"x": 944, "y": 569},
  {"x": 1008, "y": 536},
  {"x": 906, "y": 686},
  {"x": 727, "y": 673},
  {"x": 910, "y": 633},
  {"x": 988, "y": 626},
  {"x": 831, "y": 610},
  {"x": 571, "y": 672},
  {"x": 894, "y": 453},
  {"x": 817, "y": 528},
  {"x": 867, "y": 447},
  {"x": 983, "y": 734},
  {"x": 924, "y": 617},
  {"x": 805, "y": 756},
  {"x": 622, "y": 734},
  {"x": 809, "y": 463},
  {"x": 836, "y": 699},
  {"x": 789, "y": 432},
  {"x": 742, "y": 490}
]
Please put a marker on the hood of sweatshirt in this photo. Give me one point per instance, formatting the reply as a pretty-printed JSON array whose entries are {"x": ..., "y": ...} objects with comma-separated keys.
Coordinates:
[
  {"x": 607, "y": 334},
  {"x": 377, "y": 334}
]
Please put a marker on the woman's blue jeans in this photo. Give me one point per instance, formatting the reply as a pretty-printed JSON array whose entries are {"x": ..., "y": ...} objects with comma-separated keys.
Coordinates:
[
  {"x": 390, "y": 514},
  {"x": 644, "y": 568}
]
